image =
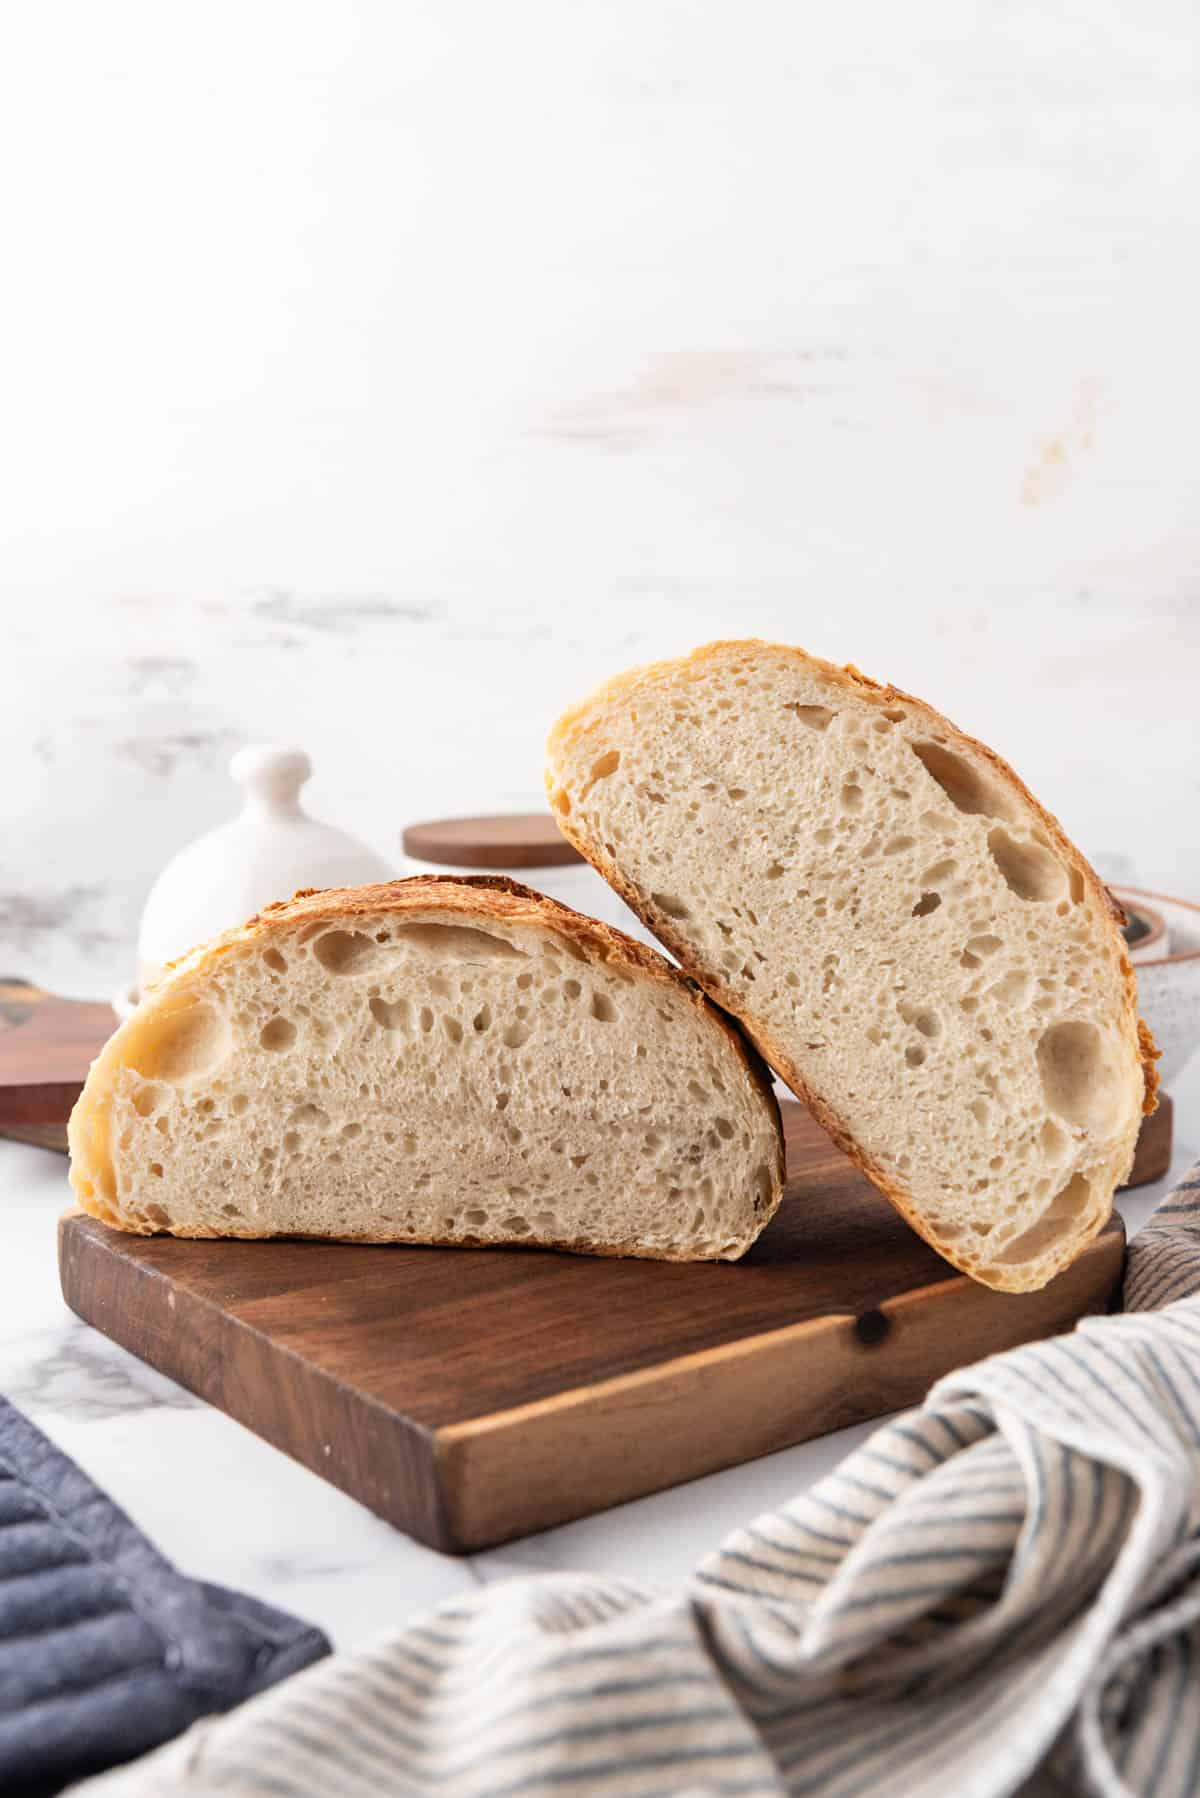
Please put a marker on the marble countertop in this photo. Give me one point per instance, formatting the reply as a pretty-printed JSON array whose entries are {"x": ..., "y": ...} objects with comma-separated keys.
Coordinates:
[
  {"x": 482, "y": 353},
  {"x": 228, "y": 1507}
]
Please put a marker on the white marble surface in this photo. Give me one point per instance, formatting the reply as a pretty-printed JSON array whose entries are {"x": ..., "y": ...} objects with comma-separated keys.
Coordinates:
[{"x": 379, "y": 376}]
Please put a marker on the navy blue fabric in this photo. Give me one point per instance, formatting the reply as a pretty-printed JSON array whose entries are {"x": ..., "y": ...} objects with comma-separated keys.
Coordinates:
[{"x": 105, "y": 1649}]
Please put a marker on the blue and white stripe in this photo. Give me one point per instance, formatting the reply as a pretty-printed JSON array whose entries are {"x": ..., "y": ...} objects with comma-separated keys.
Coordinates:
[{"x": 1007, "y": 1577}]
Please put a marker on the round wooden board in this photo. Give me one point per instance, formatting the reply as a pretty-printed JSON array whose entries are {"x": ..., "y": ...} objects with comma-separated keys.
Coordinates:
[{"x": 504, "y": 840}]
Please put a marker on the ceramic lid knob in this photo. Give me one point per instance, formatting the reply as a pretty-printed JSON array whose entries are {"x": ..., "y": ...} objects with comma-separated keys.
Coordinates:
[
  {"x": 265, "y": 853},
  {"x": 272, "y": 777}
]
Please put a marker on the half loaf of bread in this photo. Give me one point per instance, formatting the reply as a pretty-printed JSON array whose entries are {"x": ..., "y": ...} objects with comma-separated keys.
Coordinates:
[
  {"x": 906, "y": 934},
  {"x": 431, "y": 1061}
]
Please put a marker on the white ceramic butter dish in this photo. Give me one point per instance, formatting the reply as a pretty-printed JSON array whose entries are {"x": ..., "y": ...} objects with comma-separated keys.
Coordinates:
[{"x": 266, "y": 852}]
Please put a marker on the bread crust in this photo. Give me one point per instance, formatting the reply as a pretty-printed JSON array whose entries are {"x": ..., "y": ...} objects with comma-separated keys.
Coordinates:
[
  {"x": 851, "y": 679},
  {"x": 480, "y": 897}
]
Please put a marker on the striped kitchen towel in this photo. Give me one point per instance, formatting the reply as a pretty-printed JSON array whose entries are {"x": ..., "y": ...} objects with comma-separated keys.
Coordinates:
[{"x": 1005, "y": 1578}]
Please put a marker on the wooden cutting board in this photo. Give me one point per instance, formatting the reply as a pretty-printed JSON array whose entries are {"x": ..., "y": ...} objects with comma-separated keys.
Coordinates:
[
  {"x": 47, "y": 1045},
  {"x": 474, "y": 1395}
]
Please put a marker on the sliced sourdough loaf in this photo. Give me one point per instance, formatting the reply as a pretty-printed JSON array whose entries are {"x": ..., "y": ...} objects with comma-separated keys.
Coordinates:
[
  {"x": 431, "y": 1061},
  {"x": 906, "y": 934}
]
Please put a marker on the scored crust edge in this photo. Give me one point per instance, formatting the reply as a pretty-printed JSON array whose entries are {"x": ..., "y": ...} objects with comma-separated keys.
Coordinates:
[
  {"x": 480, "y": 896},
  {"x": 848, "y": 677}
]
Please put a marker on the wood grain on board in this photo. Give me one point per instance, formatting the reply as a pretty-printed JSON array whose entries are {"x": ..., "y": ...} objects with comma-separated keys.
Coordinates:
[
  {"x": 47, "y": 1045},
  {"x": 474, "y": 1395},
  {"x": 502, "y": 840}
]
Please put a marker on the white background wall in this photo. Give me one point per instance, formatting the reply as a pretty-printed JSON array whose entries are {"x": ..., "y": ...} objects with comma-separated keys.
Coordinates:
[{"x": 377, "y": 376}]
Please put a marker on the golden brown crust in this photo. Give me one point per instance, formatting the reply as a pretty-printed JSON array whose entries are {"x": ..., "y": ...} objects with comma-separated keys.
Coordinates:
[
  {"x": 692, "y": 667},
  {"x": 1151, "y": 1054},
  {"x": 627, "y": 1249},
  {"x": 508, "y": 901},
  {"x": 482, "y": 897}
]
